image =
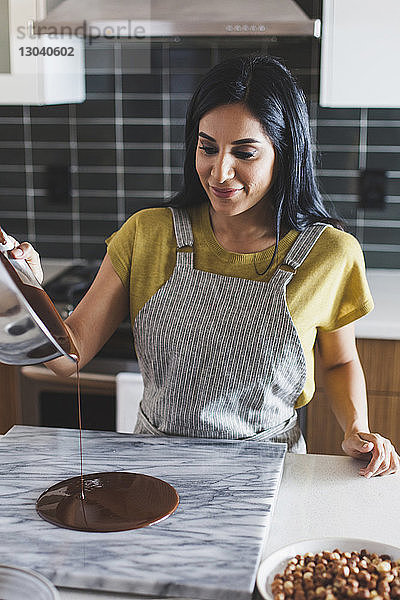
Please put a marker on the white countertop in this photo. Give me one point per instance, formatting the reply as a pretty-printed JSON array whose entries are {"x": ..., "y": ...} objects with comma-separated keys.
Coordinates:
[
  {"x": 323, "y": 496},
  {"x": 320, "y": 496},
  {"x": 384, "y": 321}
]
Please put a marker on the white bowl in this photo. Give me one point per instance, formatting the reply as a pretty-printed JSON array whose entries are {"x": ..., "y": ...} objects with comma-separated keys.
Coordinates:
[
  {"x": 17, "y": 583},
  {"x": 276, "y": 562}
]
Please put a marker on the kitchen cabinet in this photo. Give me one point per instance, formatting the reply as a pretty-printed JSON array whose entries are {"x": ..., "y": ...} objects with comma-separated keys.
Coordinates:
[
  {"x": 380, "y": 360},
  {"x": 37, "y": 69},
  {"x": 359, "y": 53},
  {"x": 51, "y": 400},
  {"x": 9, "y": 395}
]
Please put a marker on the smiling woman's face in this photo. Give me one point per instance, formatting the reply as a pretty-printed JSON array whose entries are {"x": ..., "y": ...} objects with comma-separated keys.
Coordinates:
[{"x": 234, "y": 159}]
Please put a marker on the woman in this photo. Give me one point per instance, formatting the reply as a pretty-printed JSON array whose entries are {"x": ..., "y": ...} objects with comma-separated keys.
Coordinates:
[{"x": 231, "y": 287}]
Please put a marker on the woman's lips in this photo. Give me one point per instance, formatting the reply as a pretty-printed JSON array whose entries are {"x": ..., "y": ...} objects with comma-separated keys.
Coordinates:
[{"x": 225, "y": 192}]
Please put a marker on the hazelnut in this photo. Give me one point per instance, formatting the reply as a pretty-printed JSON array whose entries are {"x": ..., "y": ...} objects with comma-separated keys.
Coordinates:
[
  {"x": 344, "y": 571},
  {"x": 288, "y": 587},
  {"x": 384, "y": 566},
  {"x": 338, "y": 575},
  {"x": 363, "y": 593},
  {"x": 383, "y": 588}
]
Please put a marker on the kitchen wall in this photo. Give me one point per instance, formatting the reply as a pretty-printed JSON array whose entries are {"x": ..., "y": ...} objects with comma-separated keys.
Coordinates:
[{"x": 124, "y": 147}]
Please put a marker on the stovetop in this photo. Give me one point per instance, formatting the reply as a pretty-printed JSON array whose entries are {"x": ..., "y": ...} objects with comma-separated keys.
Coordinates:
[{"x": 67, "y": 289}]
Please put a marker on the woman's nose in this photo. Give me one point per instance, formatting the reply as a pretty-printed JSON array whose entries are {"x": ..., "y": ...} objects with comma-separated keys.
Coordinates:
[{"x": 222, "y": 169}]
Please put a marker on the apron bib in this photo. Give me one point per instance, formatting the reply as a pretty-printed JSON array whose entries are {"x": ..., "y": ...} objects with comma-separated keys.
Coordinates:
[{"x": 220, "y": 356}]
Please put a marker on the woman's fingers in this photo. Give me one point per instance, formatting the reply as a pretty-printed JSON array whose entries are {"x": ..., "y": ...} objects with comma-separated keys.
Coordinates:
[
  {"x": 384, "y": 458},
  {"x": 27, "y": 252},
  {"x": 357, "y": 446},
  {"x": 9, "y": 239},
  {"x": 389, "y": 461}
]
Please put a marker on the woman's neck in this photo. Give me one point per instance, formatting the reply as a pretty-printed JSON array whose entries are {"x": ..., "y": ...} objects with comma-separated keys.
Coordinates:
[{"x": 247, "y": 232}]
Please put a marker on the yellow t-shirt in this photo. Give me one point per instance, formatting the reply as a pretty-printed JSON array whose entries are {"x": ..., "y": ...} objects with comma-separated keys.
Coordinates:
[{"x": 328, "y": 291}]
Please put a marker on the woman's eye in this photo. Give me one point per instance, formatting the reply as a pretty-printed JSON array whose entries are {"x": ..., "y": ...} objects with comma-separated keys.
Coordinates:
[
  {"x": 211, "y": 150},
  {"x": 208, "y": 149},
  {"x": 244, "y": 154}
]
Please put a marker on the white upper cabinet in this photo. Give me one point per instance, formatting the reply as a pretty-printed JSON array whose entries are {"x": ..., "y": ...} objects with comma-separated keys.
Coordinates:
[
  {"x": 360, "y": 53},
  {"x": 46, "y": 69}
]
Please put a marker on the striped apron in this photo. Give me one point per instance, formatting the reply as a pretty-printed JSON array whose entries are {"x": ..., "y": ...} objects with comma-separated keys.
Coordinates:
[{"x": 220, "y": 356}]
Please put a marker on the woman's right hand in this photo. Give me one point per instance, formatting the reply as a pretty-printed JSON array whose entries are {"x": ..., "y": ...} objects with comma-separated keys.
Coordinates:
[{"x": 25, "y": 251}]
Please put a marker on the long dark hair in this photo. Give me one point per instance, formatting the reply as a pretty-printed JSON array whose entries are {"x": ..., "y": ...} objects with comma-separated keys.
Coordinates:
[{"x": 270, "y": 93}]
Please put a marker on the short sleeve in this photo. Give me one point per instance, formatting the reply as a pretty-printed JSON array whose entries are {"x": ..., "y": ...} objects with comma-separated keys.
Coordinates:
[
  {"x": 120, "y": 248},
  {"x": 350, "y": 297}
]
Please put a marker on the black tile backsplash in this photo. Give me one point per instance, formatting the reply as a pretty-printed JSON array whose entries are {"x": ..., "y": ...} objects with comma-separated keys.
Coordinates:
[
  {"x": 49, "y": 112},
  {"x": 97, "y": 156},
  {"x": 95, "y": 133},
  {"x": 103, "y": 206},
  {"x": 124, "y": 145},
  {"x": 148, "y": 83},
  {"x": 190, "y": 58},
  {"x": 143, "y": 157},
  {"x": 343, "y": 136},
  {"x": 384, "y": 136},
  {"x": 97, "y": 180},
  {"x": 96, "y": 109},
  {"x": 50, "y": 156},
  {"x": 13, "y": 156},
  {"x": 388, "y": 161},
  {"x": 143, "y": 109},
  {"x": 144, "y": 181},
  {"x": 11, "y": 132},
  {"x": 184, "y": 83},
  {"x": 12, "y": 180},
  {"x": 92, "y": 227},
  {"x": 338, "y": 160},
  {"x": 99, "y": 83},
  {"x": 49, "y": 132},
  {"x": 58, "y": 227},
  {"x": 143, "y": 133},
  {"x": 339, "y": 185}
]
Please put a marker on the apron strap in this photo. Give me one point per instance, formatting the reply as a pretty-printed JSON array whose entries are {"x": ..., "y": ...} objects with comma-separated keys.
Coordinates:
[
  {"x": 183, "y": 227},
  {"x": 303, "y": 245},
  {"x": 297, "y": 254}
]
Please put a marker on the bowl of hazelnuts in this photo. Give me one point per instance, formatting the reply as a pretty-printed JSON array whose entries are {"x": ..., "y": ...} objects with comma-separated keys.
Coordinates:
[{"x": 331, "y": 569}]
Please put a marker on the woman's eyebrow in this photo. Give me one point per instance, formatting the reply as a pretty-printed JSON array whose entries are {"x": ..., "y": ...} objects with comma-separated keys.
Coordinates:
[{"x": 235, "y": 143}]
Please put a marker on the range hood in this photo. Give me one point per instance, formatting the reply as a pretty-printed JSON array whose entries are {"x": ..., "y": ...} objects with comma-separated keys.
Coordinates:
[{"x": 164, "y": 18}]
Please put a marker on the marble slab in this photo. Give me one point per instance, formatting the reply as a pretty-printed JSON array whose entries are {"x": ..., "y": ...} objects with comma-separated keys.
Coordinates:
[{"x": 208, "y": 549}]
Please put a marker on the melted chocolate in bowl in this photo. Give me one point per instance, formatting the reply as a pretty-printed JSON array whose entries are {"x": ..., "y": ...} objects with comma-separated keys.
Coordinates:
[
  {"x": 112, "y": 502},
  {"x": 115, "y": 501}
]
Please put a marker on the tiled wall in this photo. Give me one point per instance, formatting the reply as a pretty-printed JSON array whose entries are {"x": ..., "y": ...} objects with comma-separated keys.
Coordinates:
[{"x": 124, "y": 147}]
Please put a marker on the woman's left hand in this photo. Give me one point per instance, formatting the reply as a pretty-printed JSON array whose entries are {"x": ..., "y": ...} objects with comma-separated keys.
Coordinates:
[{"x": 384, "y": 458}]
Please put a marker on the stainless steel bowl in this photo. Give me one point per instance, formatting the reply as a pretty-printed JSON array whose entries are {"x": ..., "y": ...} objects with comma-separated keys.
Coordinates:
[
  {"x": 17, "y": 583},
  {"x": 28, "y": 335}
]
